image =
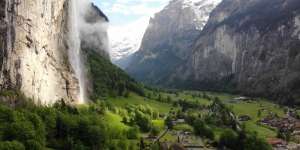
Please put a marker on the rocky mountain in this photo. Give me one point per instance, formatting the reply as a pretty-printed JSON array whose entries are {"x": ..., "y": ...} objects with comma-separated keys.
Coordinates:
[
  {"x": 247, "y": 46},
  {"x": 41, "y": 43},
  {"x": 169, "y": 39}
]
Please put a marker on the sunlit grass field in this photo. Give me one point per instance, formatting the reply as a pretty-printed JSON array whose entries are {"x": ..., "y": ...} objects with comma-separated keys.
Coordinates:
[
  {"x": 115, "y": 121},
  {"x": 239, "y": 108},
  {"x": 251, "y": 109},
  {"x": 135, "y": 99},
  {"x": 160, "y": 123}
]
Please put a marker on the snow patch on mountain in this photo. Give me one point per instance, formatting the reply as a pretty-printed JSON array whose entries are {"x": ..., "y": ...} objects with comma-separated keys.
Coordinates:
[
  {"x": 202, "y": 9},
  {"x": 125, "y": 40}
]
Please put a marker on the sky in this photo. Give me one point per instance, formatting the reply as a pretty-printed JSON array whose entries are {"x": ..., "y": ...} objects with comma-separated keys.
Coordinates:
[
  {"x": 124, "y": 12},
  {"x": 128, "y": 22}
]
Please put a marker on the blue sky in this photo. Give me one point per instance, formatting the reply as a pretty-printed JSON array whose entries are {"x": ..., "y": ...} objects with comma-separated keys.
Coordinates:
[{"x": 122, "y": 12}]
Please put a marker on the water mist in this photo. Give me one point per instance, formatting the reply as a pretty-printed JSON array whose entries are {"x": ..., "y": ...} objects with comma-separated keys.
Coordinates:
[
  {"x": 87, "y": 30},
  {"x": 75, "y": 55}
]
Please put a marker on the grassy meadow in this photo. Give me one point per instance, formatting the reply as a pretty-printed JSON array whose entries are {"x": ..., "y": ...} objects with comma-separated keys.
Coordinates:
[{"x": 249, "y": 108}]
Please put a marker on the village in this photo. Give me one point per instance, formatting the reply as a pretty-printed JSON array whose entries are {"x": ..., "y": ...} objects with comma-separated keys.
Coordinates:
[
  {"x": 185, "y": 139},
  {"x": 286, "y": 126}
]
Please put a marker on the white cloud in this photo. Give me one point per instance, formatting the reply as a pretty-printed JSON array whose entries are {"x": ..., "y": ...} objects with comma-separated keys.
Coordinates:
[
  {"x": 137, "y": 7},
  {"x": 140, "y": 9}
]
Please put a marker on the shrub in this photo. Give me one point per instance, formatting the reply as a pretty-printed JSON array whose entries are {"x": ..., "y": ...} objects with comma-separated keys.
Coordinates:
[
  {"x": 169, "y": 123},
  {"x": 143, "y": 121},
  {"x": 11, "y": 145},
  {"x": 133, "y": 133},
  {"x": 229, "y": 139},
  {"x": 242, "y": 141},
  {"x": 155, "y": 131},
  {"x": 94, "y": 136},
  {"x": 252, "y": 142},
  {"x": 203, "y": 130}
]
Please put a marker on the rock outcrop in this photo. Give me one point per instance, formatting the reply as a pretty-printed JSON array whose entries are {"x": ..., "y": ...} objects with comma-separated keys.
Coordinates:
[
  {"x": 169, "y": 39},
  {"x": 35, "y": 50}
]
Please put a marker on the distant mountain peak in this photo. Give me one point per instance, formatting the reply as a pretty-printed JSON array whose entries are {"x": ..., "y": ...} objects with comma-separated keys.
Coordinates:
[
  {"x": 178, "y": 16},
  {"x": 124, "y": 44},
  {"x": 201, "y": 8},
  {"x": 169, "y": 39}
]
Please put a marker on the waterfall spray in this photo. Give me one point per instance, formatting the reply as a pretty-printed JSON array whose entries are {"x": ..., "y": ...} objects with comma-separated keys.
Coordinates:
[
  {"x": 87, "y": 30},
  {"x": 75, "y": 55}
]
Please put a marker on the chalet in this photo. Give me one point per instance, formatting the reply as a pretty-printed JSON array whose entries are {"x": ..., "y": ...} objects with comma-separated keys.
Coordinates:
[
  {"x": 293, "y": 146},
  {"x": 244, "y": 118},
  {"x": 286, "y": 123},
  {"x": 277, "y": 143},
  {"x": 164, "y": 146},
  {"x": 178, "y": 121},
  {"x": 233, "y": 101},
  {"x": 242, "y": 98},
  {"x": 296, "y": 128},
  {"x": 177, "y": 146},
  {"x": 187, "y": 133},
  {"x": 292, "y": 113}
]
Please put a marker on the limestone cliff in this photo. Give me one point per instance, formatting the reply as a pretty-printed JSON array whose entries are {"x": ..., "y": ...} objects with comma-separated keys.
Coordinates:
[
  {"x": 169, "y": 39},
  {"x": 35, "y": 49},
  {"x": 248, "y": 47}
]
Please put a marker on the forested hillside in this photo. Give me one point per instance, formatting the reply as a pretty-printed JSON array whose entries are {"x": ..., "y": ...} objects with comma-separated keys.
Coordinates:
[{"x": 107, "y": 79}]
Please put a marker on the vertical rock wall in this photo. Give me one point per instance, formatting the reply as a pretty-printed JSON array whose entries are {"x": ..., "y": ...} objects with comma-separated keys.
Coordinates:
[
  {"x": 250, "y": 48},
  {"x": 34, "y": 51},
  {"x": 169, "y": 39}
]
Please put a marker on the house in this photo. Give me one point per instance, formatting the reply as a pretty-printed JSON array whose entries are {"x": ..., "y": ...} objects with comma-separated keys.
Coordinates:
[
  {"x": 232, "y": 101},
  {"x": 286, "y": 123},
  {"x": 244, "y": 118},
  {"x": 278, "y": 143},
  {"x": 187, "y": 133},
  {"x": 293, "y": 146},
  {"x": 178, "y": 121},
  {"x": 242, "y": 98},
  {"x": 151, "y": 138},
  {"x": 177, "y": 146},
  {"x": 296, "y": 128}
]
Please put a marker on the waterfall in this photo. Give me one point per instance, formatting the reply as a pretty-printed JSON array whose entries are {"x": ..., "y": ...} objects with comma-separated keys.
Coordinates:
[
  {"x": 8, "y": 25},
  {"x": 75, "y": 56},
  {"x": 88, "y": 30}
]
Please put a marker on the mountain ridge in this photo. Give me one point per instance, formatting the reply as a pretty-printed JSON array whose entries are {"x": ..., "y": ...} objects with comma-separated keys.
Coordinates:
[
  {"x": 168, "y": 39},
  {"x": 244, "y": 47},
  {"x": 262, "y": 65}
]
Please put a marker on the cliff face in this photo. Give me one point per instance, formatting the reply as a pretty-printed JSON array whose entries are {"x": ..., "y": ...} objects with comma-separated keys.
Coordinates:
[
  {"x": 35, "y": 49},
  {"x": 169, "y": 39},
  {"x": 248, "y": 47}
]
